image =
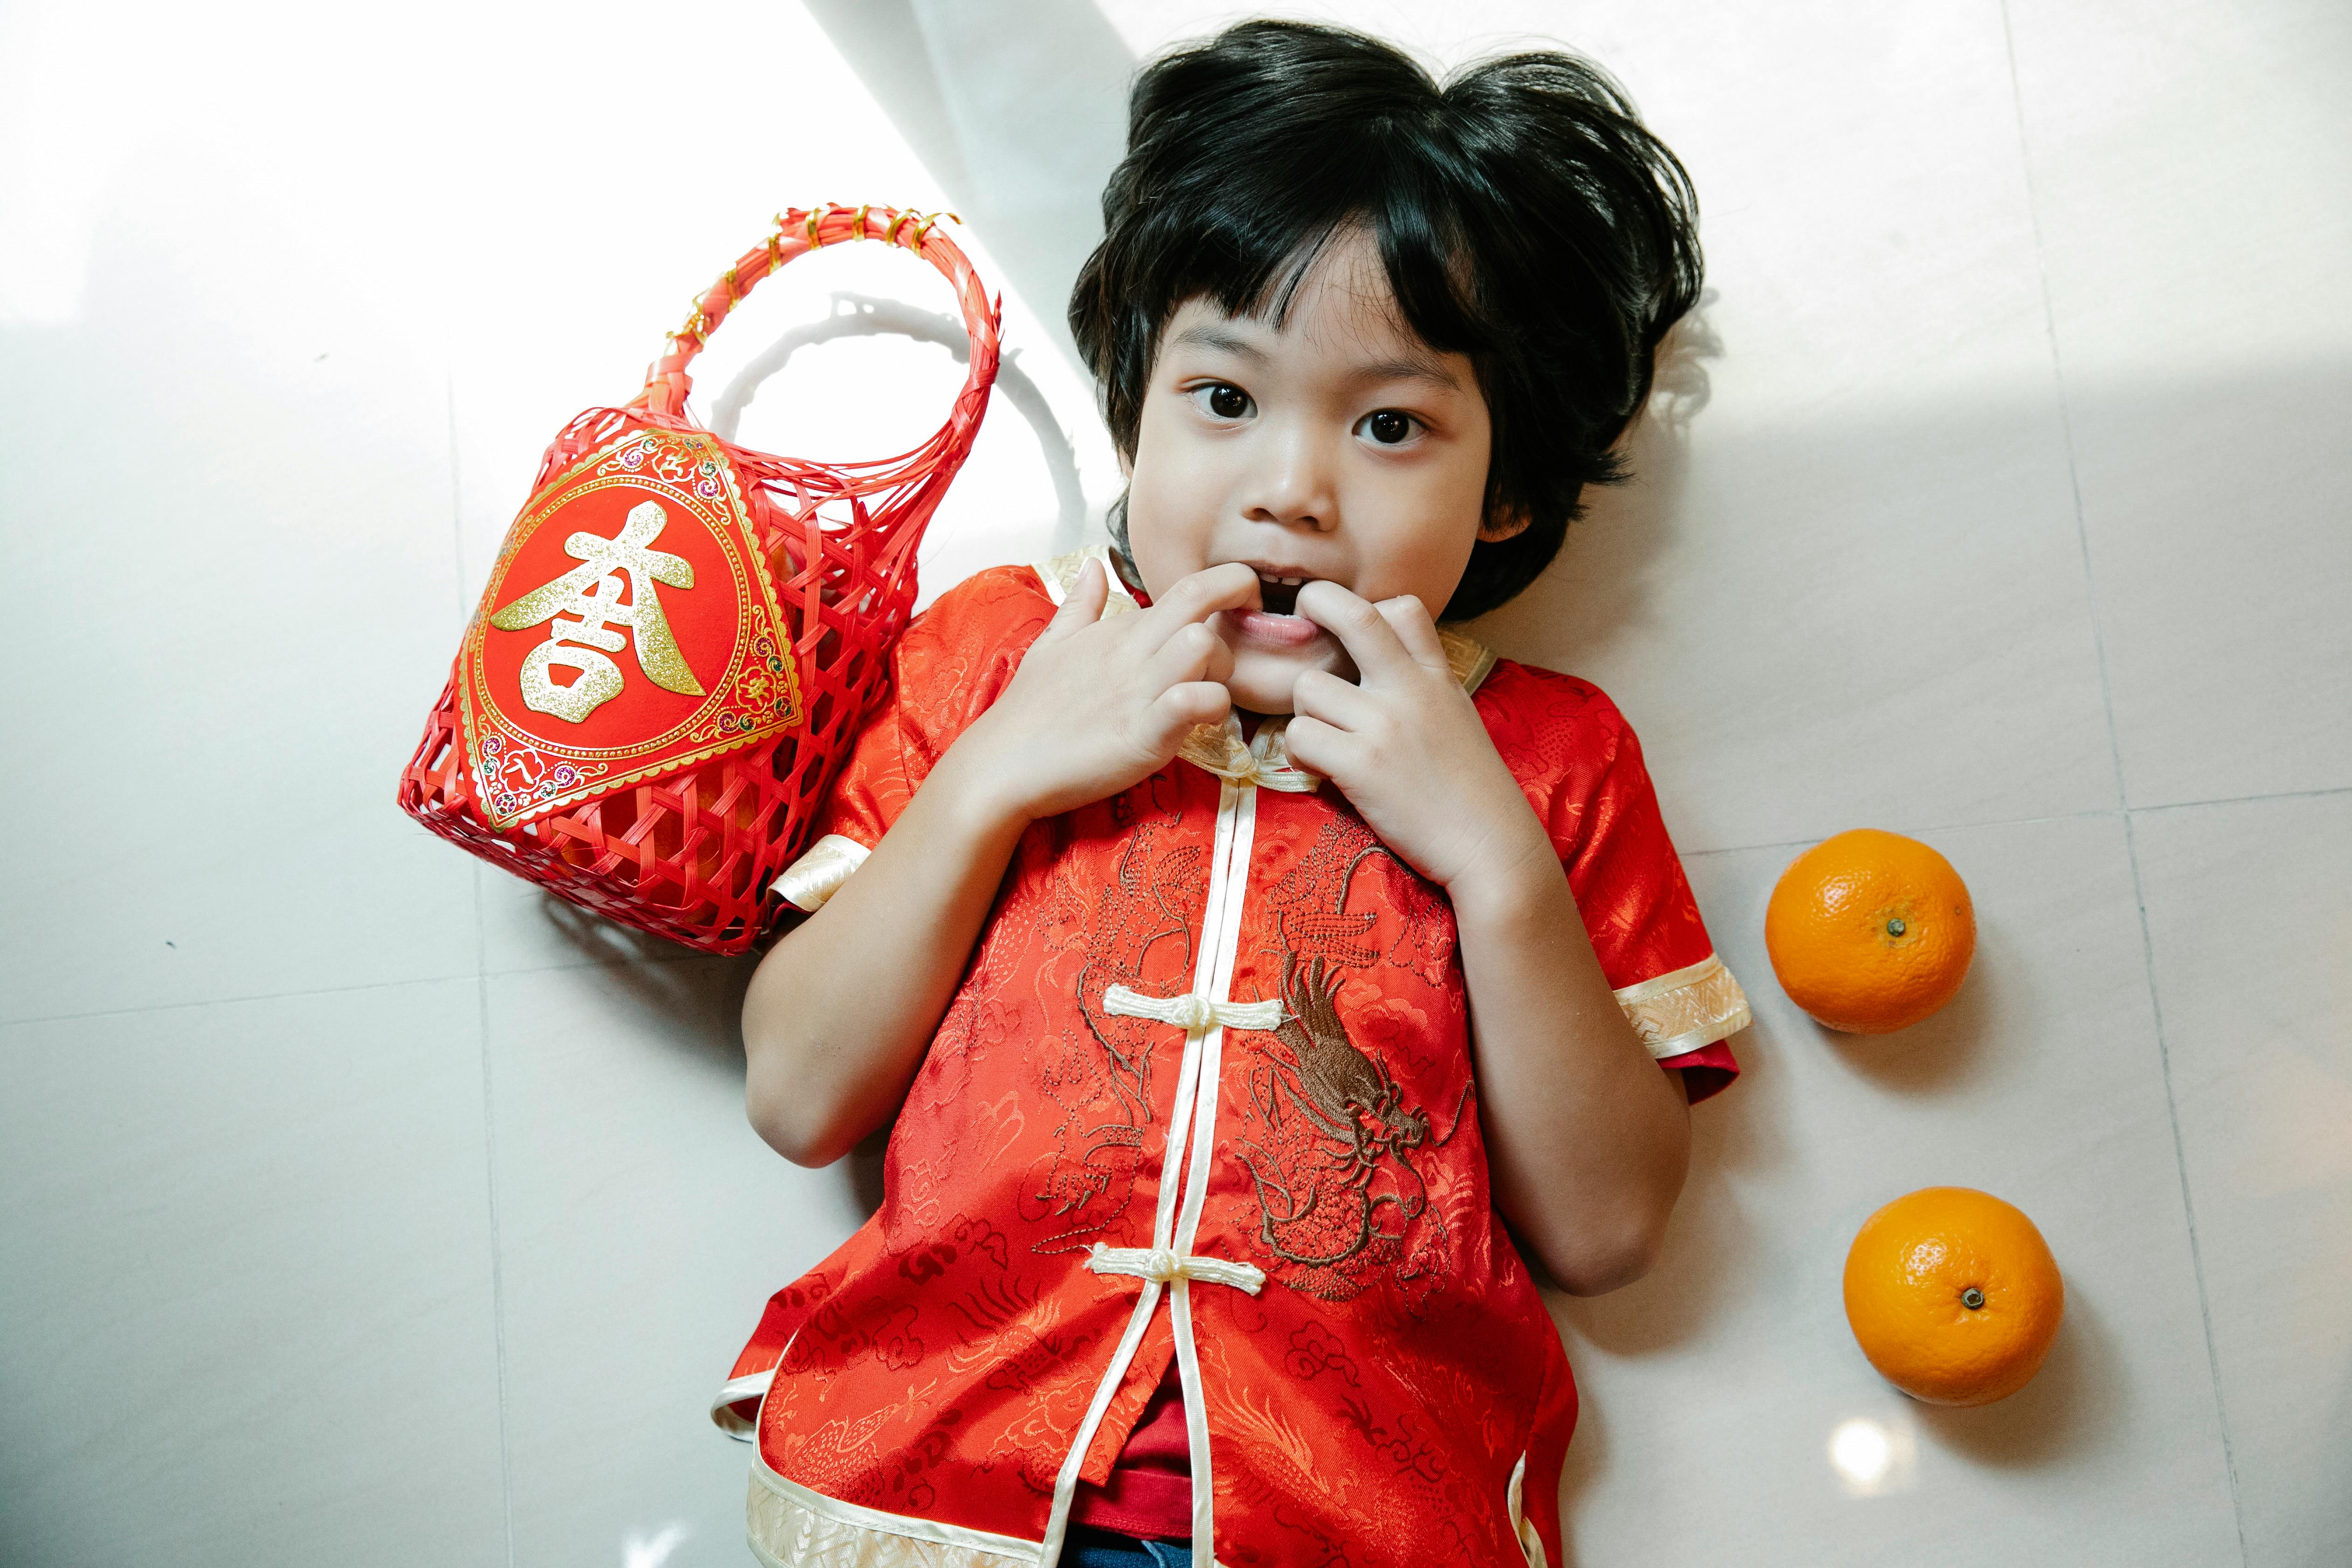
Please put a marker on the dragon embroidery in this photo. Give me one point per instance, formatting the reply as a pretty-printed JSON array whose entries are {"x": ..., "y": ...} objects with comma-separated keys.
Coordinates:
[
  {"x": 1336, "y": 1148},
  {"x": 1339, "y": 1194},
  {"x": 1098, "y": 1076}
]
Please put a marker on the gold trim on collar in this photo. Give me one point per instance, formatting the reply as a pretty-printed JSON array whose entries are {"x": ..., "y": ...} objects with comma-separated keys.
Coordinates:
[
  {"x": 1060, "y": 574},
  {"x": 1471, "y": 660},
  {"x": 1265, "y": 762}
]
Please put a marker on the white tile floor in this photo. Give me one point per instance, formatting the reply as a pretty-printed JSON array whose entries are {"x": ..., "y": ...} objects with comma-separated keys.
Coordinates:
[{"x": 363, "y": 1206}]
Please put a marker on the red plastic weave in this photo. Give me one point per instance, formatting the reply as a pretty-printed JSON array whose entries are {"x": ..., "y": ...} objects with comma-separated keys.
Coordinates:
[{"x": 689, "y": 854}]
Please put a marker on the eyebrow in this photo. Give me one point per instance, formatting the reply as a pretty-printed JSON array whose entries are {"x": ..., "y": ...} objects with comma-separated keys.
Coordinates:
[
  {"x": 1413, "y": 367},
  {"x": 1402, "y": 367},
  {"x": 1210, "y": 337}
]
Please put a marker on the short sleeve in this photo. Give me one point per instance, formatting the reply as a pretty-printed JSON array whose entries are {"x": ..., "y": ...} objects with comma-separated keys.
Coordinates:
[
  {"x": 951, "y": 664},
  {"x": 1595, "y": 796}
]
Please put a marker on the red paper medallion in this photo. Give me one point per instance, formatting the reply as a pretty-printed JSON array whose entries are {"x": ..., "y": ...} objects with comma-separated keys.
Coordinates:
[{"x": 630, "y": 629}]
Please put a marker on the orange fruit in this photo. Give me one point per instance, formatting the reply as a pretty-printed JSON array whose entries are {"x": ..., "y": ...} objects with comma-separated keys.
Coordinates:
[
  {"x": 1870, "y": 932},
  {"x": 1953, "y": 1296}
]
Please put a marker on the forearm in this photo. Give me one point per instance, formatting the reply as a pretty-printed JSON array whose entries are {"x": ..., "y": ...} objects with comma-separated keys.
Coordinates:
[
  {"x": 840, "y": 1011},
  {"x": 1587, "y": 1141}
]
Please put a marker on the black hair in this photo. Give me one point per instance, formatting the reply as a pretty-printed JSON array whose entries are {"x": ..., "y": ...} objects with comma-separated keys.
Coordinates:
[{"x": 1524, "y": 217}]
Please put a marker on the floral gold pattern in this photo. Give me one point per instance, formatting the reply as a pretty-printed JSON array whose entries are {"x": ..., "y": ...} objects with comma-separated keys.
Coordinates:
[
  {"x": 1471, "y": 660},
  {"x": 820, "y": 871},
  {"x": 786, "y": 1531},
  {"x": 1061, "y": 575},
  {"x": 1688, "y": 1008}
]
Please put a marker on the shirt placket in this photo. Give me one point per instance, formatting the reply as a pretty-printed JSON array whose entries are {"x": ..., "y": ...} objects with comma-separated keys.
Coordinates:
[{"x": 1169, "y": 1263}]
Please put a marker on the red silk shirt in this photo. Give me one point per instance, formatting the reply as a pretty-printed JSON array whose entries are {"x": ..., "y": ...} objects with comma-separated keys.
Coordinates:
[{"x": 1210, "y": 1052}]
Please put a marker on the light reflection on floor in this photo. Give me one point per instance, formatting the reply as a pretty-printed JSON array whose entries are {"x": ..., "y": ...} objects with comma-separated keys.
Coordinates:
[
  {"x": 1875, "y": 1456},
  {"x": 654, "y": 1550}
]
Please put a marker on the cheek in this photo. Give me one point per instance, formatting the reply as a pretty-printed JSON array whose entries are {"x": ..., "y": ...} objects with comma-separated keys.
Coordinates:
[
  {"x": 1171, "y": 497},
  {"x": 1459, "y": 500},
  {"x": 1420, "y": 537}
]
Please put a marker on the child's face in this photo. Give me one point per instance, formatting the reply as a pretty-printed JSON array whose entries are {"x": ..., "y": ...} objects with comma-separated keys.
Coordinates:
[{"x": 1339, "y": 447}]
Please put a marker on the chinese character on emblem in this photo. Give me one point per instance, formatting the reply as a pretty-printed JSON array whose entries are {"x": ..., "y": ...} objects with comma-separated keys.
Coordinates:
[{"x": 575, "y": 644}]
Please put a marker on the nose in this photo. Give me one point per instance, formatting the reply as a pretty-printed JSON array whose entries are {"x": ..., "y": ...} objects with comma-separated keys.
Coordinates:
[{"x": 1290, "y": 481}]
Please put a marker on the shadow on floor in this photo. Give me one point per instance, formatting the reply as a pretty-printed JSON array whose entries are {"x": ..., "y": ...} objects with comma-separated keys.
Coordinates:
[
  {"x": 692, "y": 1002},
  {"x": 1595, "y": 587},
  {"x": 2079, "y": 1398},
  {"x": 1940, "y": 1053},
  {"x": 1019, "y": 109}
]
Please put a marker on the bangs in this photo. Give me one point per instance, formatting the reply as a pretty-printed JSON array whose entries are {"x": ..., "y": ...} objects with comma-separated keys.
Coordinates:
[{"x": 1277, "y": 223}]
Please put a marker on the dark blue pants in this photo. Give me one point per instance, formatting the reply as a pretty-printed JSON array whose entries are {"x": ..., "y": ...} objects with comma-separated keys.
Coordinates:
[{"x": 1102, "y": 1549}]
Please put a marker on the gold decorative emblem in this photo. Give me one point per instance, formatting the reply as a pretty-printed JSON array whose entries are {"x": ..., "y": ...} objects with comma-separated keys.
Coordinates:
[{"x": 643, "y": 549}]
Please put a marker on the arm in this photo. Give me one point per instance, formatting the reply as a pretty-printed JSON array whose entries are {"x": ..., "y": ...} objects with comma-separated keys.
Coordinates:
[
  {"x": 1587, "y": 1141},
  {"x": 840, "y": 1011}
]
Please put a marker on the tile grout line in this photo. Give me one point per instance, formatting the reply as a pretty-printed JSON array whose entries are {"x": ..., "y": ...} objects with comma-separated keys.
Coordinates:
[
  {"x": 2318, "y": 793},
  {"x": 2123, "y": 803},
  {"x": 2097, "y": 814},
  {"x": 252, "y": 997},
  {"x": 2093, "y": 816},
  {"x": 490, "y": 1188},
  {"x": 623, "y": 961},
  {"x": 482, "y": 1027}
]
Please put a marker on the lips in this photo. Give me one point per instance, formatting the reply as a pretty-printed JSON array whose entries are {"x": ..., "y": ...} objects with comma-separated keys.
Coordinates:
[
  {"x": 1276, "y": 623},
  {"x": 1274, "y": 631}
]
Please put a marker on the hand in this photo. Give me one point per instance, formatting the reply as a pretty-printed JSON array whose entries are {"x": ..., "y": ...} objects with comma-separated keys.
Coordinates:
[
  {"x": 1406, "y": 745},
  {"x": 1100, "y": 702}
]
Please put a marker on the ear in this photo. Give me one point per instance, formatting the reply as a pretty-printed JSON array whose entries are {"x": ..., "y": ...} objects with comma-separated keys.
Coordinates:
[{"x": 1505, "y": 522}]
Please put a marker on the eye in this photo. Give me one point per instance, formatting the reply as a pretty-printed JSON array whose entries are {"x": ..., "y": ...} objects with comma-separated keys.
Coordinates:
[
  {"x": 1387, "y": 426},
  {"x": 1224, "y": 400}
]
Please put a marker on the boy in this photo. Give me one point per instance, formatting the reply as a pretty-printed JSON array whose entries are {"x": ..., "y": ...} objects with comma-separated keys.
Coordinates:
[{"x": 1214, "y": 925}]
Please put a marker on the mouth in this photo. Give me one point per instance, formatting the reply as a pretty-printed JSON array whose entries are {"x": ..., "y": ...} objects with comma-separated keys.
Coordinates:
[
  {"x": 1277, "y": 623},
  {"x": 1279, "y": 596}
]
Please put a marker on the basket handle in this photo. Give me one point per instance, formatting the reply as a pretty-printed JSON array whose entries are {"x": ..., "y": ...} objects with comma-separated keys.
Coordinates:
[{"x": 803, "y": 229}]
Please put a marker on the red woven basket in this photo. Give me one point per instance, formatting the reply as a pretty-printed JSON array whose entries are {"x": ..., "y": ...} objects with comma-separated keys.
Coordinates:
[{"x": 722, "y": 617}]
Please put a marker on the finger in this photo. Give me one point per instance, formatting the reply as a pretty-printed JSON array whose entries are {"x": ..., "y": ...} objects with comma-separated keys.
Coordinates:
[
  {"x": 1220, "y": 663},
  {"x": 1178, "y": 711},
  {"x": 1342, "y": 704},
  {"x": 1082, "y": 606},
  {"x": 1231, "y": 586},
  {"x": 1322, "y": 748},
  {"x": 1409, "y": 618},
  {"x": 1362, "y": 630},
  {"x": 1192, "y": 654}
]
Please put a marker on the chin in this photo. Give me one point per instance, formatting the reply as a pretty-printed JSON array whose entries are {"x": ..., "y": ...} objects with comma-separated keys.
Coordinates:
[
  {"x": 1262, "y": 681},
  {"x": 1261, "y": 697}
]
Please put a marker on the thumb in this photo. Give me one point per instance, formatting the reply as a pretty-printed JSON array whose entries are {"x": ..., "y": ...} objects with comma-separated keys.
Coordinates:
[{"x": 1082, "y": 606}]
